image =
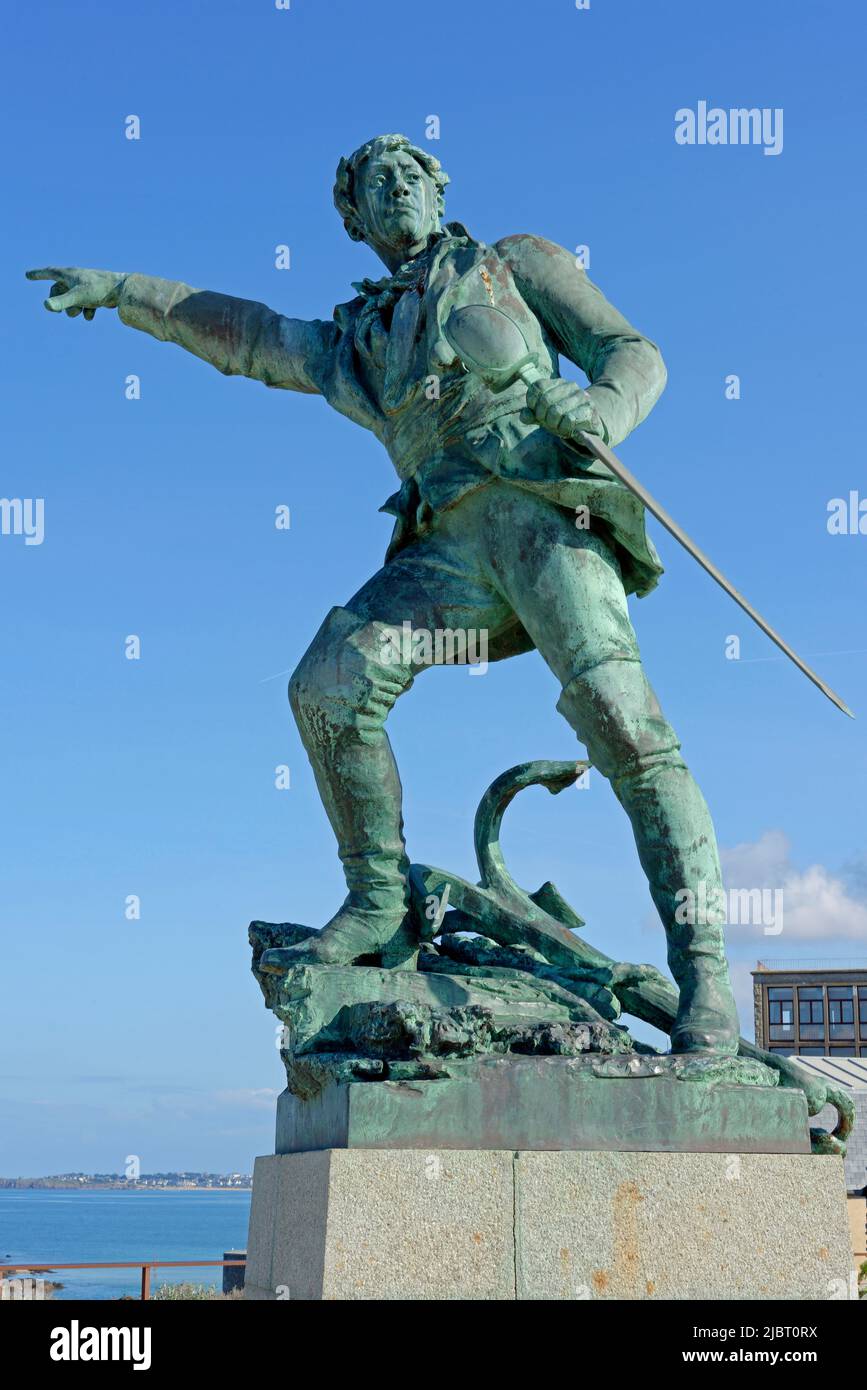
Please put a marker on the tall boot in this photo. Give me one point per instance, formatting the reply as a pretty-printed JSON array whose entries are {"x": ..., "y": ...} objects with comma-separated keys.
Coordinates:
[
  {"x": 340, "y": 696},
  {"x": 614, "y": 711}
]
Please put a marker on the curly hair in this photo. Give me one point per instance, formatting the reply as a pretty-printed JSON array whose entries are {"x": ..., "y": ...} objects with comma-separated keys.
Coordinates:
[{"x": 347, "y": 174}]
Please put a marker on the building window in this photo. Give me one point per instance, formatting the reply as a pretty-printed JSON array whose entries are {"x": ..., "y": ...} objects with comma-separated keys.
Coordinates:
[
  {"x": 811, "y": 1012},
  {"x": 841, "y": 1012},
  {"x": 781, "y": 1015},
  {"x": 811, "y": 1005},
  {"x": 811, "y": 1051},
  {"x": 862, "y": 1010},
  {"x": 842, "y": 1051},
  {"x": 781, "y": 1000},
  {"x": 840, "y": 1005}
]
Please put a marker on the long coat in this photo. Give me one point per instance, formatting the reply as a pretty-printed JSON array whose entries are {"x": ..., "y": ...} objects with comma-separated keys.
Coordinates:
[{"x": 383, "y": 361}]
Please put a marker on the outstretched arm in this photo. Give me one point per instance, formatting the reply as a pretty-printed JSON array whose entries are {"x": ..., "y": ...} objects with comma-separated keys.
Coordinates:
[
  {"x": 237, "y": 336},
  {"x": 625, "y": 369}
]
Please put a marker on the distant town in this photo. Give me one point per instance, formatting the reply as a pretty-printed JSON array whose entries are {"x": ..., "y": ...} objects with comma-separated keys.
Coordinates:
[{"x": 208, "y": 1182}]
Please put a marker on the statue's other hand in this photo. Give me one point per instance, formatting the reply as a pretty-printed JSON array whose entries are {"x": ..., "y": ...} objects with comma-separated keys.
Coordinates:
[
  {"x": 563, "y": 408},
  {"x": 80, "y": 291}
]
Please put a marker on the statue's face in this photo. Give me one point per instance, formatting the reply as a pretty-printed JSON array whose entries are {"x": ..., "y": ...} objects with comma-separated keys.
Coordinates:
[{"x": 397, "y": 201}]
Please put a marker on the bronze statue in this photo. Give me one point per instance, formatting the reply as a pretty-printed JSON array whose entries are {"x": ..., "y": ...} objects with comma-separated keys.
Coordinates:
[{"x": 506, "y": 522}]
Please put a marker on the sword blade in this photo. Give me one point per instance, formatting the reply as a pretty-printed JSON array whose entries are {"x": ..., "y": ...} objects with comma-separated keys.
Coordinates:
[{"x": 610, "y": 459}]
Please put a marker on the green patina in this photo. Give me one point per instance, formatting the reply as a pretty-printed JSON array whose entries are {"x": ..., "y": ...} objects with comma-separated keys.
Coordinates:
[
  {"x": 485, "y": 539},
  {"x": 541, "y": 1102}
]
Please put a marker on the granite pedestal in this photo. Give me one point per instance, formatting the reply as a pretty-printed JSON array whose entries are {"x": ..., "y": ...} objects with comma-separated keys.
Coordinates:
[
  {"x": 450, "y": 1224},
  {"x": 540, "y": 1178}
]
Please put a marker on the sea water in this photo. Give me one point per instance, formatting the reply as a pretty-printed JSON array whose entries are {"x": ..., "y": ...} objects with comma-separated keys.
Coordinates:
[{"x": 42, "y": 1226}]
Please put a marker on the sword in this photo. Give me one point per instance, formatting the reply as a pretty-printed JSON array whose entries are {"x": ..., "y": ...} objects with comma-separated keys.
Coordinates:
[{"x": 490, "y": 343}]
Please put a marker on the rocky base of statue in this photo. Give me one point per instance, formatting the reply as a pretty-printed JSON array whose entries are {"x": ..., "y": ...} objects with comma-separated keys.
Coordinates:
[
  {"x": 488, "y": 971},
  {"x": 452, "y": 1055},
  {"x": 445, "y": 1224}
]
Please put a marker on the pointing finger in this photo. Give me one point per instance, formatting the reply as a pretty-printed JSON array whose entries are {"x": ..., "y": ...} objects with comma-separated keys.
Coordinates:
[{"x": 49, "y": 272}]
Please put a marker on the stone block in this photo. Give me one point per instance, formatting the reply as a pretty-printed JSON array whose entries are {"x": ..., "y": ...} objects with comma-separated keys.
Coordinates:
[
  {"x": 477, "y": 1225},
  {"x": 544, "y": 1103},
  {"x": 387, "y": 1225},
  {"x": 680, "y": 1226}
]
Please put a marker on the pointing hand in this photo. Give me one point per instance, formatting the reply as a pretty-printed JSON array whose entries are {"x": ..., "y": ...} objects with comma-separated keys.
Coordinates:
[{"x": 80, "y": 291}]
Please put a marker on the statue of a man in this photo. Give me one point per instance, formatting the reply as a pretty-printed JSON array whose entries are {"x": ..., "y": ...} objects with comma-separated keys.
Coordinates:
[{"x": 500, "y": 528}]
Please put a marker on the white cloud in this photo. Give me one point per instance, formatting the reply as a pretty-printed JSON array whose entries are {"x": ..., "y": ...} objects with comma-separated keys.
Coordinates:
[
  {"x": 258, "y": 1098},
  {"x": 817, "y": 903}
]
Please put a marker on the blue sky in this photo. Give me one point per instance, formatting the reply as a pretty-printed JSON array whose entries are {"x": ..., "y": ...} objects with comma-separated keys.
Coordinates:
[{"x": 156, "y": 777}]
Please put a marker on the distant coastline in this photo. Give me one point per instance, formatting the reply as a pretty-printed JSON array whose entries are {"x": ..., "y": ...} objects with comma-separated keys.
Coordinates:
[
  {"x": 147, "y": 1182},
  {"x": 112, "y": 1187}
]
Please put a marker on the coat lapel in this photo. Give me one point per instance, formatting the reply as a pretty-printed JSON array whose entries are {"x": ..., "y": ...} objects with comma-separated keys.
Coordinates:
[{"x": 400, "y": 353}]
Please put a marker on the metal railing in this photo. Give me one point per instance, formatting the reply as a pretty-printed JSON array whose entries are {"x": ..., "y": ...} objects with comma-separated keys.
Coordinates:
[
  {"x": 144, "y": 1265},
  {"x": 830, "y": 963}
]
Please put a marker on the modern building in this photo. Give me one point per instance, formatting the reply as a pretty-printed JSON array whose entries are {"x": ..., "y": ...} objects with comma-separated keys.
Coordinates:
[
  {"x": 816, "y": 1010},
  {"x": 811, "y": 1008}
]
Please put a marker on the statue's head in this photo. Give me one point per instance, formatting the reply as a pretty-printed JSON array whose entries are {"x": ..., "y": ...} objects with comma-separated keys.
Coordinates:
[{"x": 390, "y": 194}]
